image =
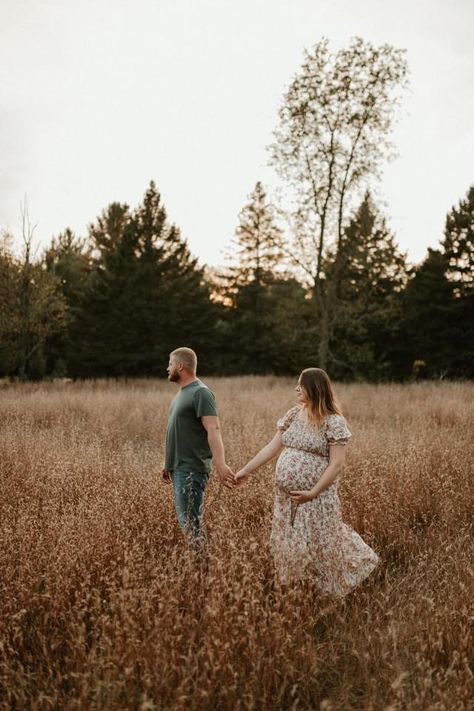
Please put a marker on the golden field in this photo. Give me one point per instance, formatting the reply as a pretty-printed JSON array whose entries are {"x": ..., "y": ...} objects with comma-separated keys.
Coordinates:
[{"x": 102, "y": 606}]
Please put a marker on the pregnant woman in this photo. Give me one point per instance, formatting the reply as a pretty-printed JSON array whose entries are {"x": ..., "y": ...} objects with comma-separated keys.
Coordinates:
[{"x": 309, "y": 540}]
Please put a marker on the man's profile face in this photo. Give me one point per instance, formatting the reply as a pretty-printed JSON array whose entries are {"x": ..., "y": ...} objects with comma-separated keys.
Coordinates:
[{"x": 173, "y": 370}]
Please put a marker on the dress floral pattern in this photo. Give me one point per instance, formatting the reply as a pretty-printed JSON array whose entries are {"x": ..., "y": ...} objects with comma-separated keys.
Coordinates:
[{"x": 310, "y": 540}]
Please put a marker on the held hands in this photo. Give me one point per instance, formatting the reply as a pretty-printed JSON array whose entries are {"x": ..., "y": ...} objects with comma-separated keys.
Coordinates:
[
  {"x": 299, "y": 497},
  {"x": 224, "y": 472},
  {"x": 229, "y": 479},
  {"x": 226, "y": 475},
  {"x": 241, "y": 477},
  {"x": 234, "y": 481}
]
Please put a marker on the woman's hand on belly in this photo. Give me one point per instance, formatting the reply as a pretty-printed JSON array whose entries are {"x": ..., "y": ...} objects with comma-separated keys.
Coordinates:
[
  {"x": 302, "y": 497},
  {"x": 328, "y": 477}
]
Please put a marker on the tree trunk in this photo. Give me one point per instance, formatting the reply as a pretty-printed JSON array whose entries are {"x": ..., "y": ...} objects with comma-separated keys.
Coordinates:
[
  {"x": 323, "y": 351},
  {"x": 323, "y": 317}
]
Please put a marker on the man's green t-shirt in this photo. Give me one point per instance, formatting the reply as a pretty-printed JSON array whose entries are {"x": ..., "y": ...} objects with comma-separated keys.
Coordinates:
[{"x": 187, "y": 446}]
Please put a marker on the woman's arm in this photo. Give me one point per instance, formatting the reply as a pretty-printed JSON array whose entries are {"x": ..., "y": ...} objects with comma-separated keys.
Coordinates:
[
  {"x": 337, "y": 454},
  {"x": 270, "y": 450}
]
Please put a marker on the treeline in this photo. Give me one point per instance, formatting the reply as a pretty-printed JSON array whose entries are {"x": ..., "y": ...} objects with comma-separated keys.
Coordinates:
[
  {"x": 331, "y": 289},
  {"x": 116, "y": 302}
]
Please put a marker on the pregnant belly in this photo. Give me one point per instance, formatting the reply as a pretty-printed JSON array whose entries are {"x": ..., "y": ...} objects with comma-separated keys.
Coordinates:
[{"x": 297, "y": 469}]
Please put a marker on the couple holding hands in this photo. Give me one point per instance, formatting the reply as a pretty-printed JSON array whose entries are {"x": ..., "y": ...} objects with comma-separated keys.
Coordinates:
[{"x": 309, "y": 540}]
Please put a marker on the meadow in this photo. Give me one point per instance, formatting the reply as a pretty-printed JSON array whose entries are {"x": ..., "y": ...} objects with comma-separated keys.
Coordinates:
[{"x": 103, "y": 607}]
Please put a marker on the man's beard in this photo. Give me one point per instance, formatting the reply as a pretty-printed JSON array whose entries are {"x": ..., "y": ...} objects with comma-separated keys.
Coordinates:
[{"x": 173, "y": 377}]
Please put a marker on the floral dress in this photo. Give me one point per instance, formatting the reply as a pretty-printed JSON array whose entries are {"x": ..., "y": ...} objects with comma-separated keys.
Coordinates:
[{"x": 310, "y": 540}]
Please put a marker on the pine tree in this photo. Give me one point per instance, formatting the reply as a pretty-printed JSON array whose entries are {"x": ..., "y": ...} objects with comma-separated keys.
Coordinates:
[
  {"x": 438, "y": 303},
  {"x": 257, "y": 242},
  {"x": 69, "y": 260},
  {"x": 428, "y": 334},
  {"x": 255, "y": 260},
  {"x": 458, "y": 244},
  {"x": 9, "y": 281},
  {"x": 291, "y": 325},
  {"x": 144, "y": 296},
  {"x": 172, "y": 295},
  {"x": 102, "y": 316},
  {"x": 372, "y": 275}
]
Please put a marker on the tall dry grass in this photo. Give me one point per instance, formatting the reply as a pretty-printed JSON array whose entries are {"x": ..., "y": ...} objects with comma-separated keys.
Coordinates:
[{"x": 102, "y": 606}]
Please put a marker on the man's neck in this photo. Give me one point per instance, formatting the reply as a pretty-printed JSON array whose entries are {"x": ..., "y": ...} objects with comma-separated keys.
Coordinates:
[{"x": 187, "y": 379}]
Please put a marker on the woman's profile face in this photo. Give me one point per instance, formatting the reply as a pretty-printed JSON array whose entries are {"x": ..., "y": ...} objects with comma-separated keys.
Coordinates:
[{"x": 301, "y": 395}]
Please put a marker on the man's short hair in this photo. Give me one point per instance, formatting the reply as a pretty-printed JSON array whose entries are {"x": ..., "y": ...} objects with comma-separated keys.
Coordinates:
[{"x": 187, "y": 357}]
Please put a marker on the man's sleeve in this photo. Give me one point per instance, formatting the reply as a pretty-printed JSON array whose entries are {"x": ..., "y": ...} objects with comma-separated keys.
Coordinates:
[{"x": 205, "y": 403}]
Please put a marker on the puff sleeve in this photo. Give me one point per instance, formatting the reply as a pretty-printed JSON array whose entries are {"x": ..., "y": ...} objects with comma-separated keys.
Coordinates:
[
  {"x": 337, "y": 430},
  {"x": 285, "y": 421}
]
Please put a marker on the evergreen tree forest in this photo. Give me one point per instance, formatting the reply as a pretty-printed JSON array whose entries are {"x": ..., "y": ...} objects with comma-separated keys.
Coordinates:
[
  {"x": 115, "y": 302},
  {"x": 330, "y": 289}
]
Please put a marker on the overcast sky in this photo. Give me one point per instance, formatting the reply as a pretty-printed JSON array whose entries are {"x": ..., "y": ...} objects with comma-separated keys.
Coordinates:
[{"x": 98, "y": 97}]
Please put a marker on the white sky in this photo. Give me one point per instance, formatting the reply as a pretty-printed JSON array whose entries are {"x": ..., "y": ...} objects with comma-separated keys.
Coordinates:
[{"x": 98, "y": 97}]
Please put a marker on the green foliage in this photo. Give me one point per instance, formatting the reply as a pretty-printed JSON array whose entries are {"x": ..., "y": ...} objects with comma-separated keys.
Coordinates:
[
  {"x": 268, "y": 329},
  {"x": 333, "y": 134},
  {"x": 427, "y": 327},
  {"x": 32, "y": 311},
  {"x": 438, "y": 313},
  {"x": 268, "y": 311},
  {"x": 438, "y": 303},
  {"x": 144, "y": 294},
  {"x": 116, "y": 303},
  {"x": 458, "y": 244},
  {"x": 257, "y": 245},
  {"x": 368, "y": 307},
  {"x": 9, "y": 289},
  {"x": 68, "y": 259}
]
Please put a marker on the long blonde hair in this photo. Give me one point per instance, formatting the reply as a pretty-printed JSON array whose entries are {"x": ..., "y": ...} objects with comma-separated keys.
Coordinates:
[{"x": 321, "y": 399}]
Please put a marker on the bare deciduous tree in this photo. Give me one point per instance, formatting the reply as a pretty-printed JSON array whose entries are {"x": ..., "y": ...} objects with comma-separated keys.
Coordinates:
[
  {"x": 40, "y": 307},
  {"x": 333, "y": 135}
]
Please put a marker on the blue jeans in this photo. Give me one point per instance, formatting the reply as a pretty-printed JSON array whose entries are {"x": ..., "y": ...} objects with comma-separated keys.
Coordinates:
[{"x": 189, "y": 488}]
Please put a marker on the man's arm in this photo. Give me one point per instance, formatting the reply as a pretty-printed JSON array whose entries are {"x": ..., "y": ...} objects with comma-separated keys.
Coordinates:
[{"x": 212, "y": 426}]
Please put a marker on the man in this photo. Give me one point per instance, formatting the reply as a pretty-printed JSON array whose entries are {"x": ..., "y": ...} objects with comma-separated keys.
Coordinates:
[{"x": 193, "y": 441}]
